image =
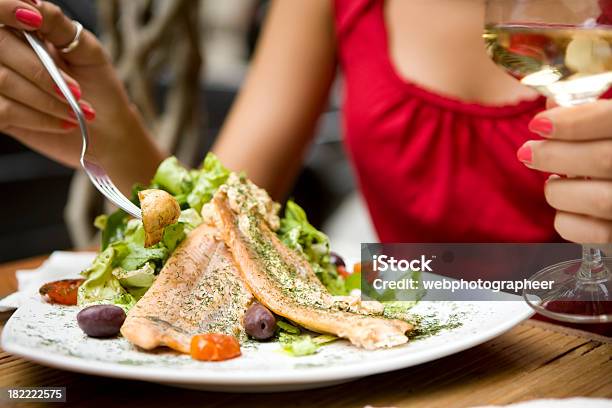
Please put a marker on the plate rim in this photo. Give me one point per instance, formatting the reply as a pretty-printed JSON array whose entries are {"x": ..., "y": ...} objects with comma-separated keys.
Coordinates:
[{"x": 272, "y": 377}]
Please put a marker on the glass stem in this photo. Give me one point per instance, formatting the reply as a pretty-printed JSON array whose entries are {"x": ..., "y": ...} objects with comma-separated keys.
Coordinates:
[{"x": 592, "y": 267}]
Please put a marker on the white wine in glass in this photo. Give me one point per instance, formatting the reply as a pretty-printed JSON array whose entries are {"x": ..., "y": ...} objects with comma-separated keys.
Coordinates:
[
  {"x": 562, "y": 49},
  {"x": 571, "y": 64}
]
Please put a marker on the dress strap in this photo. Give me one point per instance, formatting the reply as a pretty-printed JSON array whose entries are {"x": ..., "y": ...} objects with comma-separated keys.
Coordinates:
[{"x": 348, "y": 12}]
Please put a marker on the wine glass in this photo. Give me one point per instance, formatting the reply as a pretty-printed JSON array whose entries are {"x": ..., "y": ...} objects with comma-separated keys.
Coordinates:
[{"x": 563, "y": 49}]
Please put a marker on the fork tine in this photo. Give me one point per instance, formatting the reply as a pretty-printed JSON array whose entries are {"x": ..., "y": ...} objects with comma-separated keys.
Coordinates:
[
  {"x": 110, "y": 191},
  {"x": 125, "y": 204}
]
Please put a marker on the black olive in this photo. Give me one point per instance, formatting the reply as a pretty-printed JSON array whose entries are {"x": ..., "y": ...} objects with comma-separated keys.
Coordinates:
[
  {"x": 101, "y": 320},
  {"x": 259, "y": 322},
  {"x": 336, "y": 259}
]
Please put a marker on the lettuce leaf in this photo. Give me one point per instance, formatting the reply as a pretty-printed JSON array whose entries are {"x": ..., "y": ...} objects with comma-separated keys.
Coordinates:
[
  {"x": 173, "y": 235},
  {"x": 135, "y": 255},
  {"x": 112, "y": 226},
  {"x": 298, "y": 234},
  {"x": 101, "y": 286},
  {"x": 206, "y": 181},
  {"x": 191, "y": 188},
  {"x": 353, "y": 281},
  {"x": 296, "y": 344},
  {"x": 136, "y": 282},
  {"x": 173, "y": 177},
  {"x": 190, "y": 219}
]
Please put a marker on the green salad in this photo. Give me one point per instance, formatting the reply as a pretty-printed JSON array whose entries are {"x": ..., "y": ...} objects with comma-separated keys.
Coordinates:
[{"x": 124, "y": 270}]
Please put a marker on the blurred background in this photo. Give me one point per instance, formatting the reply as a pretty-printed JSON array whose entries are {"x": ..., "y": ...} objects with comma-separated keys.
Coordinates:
[{"x": 183, "y": 69}]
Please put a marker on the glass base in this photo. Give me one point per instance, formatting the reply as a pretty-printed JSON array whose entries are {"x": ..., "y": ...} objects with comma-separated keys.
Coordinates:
[{"x": 575, "y": 296}]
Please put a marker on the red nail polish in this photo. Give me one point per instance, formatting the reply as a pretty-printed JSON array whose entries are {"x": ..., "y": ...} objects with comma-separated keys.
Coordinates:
[
  {"x": 28, "y": 17},
  {"x": 73, "y": 88},
  {"x": 524, "y": 154},
  {"x": 76, "y": 91},
  {"x": 35, "y": 2},
  {"x": 541, "y": 126},
  {"x": 89, "y": 113},
  {"x": 68, "y": 125}
]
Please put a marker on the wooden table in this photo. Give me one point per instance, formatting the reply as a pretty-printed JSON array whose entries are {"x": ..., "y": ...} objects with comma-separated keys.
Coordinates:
[{"x": 533, "y": 360}]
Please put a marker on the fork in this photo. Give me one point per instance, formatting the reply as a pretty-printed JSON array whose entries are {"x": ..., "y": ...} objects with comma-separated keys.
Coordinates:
[{"x": 98, "y": 176}]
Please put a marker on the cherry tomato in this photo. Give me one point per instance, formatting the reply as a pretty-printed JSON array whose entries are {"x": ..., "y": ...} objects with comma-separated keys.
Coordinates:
[
  {"x": 214, "y": 347},
  {"x": 342, "y": 271},
  {"x": 62, "y": 291}
]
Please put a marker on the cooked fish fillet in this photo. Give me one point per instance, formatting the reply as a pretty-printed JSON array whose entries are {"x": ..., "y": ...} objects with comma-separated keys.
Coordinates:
[
  {"x": 283, "y": 281},
  {"x": 199, "y": 290}
]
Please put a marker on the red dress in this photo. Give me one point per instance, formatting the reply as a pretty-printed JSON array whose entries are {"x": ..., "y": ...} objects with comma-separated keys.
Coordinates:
[{"x": 433, "y": 168}]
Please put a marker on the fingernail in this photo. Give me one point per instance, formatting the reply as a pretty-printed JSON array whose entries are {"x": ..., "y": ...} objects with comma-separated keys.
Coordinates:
[
  {"x": 35, "y": 2},
  {"x": 89, "y": 112},
  {"x": 68, "y": 125},
  {"x": 524, "y": 154},
  {"x": 28, "y": 17},
  {"x": 541, "y": 126},
  {"x": 76, "y": 91}
]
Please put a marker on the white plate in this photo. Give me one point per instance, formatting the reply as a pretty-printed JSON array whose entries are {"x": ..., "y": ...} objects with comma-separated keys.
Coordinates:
[{"x": 49, "y": 335}]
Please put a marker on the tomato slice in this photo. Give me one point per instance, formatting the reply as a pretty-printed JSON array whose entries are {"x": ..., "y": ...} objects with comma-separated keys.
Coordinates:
[
  {"x": 63, "y": 292},
  {"x": 214, "y": 347},
  {"x": 342, "y": 271}
]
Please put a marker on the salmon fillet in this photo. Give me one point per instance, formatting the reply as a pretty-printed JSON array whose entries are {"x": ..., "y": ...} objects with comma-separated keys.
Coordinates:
[
  {"x": 199, "y": 290},
  {"x": 284, "y": 281}
]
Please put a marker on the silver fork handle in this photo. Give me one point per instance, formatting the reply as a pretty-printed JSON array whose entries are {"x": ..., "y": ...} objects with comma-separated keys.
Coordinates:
[
  {"x": 56, "y": 75},
  {"x": 96, "y": 173}
]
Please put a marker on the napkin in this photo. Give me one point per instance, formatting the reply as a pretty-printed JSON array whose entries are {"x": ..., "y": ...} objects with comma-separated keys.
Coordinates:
[{"x": 60, "y": 265}]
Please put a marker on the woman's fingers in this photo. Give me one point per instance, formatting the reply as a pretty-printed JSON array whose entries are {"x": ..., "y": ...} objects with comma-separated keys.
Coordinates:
[
  {"x": 591, "y": 121},
  {"x": 23, "y": 60},
  {"x": 15, "y": 87},
  {"x": 582, "y": 228},
  {"x": 49, "y": 19},
  {"x": 551, "y": 103},
  {"x": 584, "y": 159},
  {"x": 15, "y": 114},
  {"x": 20, "y": 14},
  {"x": 586, "y": 197},
  {"x": 59, "y": 30}
]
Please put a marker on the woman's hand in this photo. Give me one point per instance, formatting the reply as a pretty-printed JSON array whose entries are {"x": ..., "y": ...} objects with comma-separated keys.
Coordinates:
[
  {"x": 578, "y": 147},
  {"x": 34, "y": 112}
]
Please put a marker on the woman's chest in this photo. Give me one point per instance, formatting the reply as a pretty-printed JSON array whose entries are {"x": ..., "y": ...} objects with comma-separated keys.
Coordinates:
[{"x": 438, "y": 45}]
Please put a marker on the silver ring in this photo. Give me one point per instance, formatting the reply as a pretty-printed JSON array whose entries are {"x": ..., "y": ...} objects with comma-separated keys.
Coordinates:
[{"x": 77, "y": 37}]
